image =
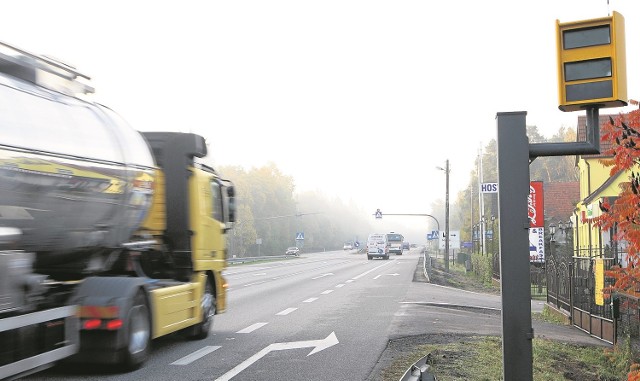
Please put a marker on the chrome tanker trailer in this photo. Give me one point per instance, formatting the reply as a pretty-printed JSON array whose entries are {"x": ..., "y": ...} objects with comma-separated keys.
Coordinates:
[{"x": 108, "y": 237}]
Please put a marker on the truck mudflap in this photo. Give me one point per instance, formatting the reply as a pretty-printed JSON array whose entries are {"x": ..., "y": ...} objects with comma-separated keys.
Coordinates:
[
  {"x": 114, "y": 320},
  {"x": 35, "y": 341}
]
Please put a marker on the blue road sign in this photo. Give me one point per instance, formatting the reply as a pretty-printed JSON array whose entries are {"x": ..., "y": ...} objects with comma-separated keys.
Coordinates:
[
  {"x": 300, "y": 236},
  {"x": 433, "y": 235}
]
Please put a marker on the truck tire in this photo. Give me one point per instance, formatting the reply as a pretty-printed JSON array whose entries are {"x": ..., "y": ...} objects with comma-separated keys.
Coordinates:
[
  {"x": 208, "y": 302},
  {"x": 138, "y": 334}
]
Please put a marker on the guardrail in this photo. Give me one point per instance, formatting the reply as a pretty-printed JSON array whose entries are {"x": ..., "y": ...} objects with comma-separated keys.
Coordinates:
[
  {"x": 419, "y": 371},
  {"x": 426, "y": 265}
]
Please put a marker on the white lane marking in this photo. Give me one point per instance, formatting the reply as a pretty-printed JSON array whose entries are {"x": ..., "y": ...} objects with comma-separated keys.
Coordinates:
[
  {"x": 350, "y": 280},
  {"x": 259, "y": 274},
  {"x": 286, "y": 312},
  {"x": 340, "y": 285},
  {"x": 188, "y": 359},
  {"x": 253, "y": 284},
  {"x": 252, "y": 328},
  {"x": 310, "y": 300},
  {"x": 326, "y": 292},
  {"x": 318, "y": 345},
  {"x": 323, "y": 275},
  {"x": 367, "y": 272},
  {"x": 378, "y": 276}
]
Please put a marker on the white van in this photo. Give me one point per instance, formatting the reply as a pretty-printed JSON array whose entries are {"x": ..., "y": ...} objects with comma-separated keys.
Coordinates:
[{"x": 377, "y": 246}]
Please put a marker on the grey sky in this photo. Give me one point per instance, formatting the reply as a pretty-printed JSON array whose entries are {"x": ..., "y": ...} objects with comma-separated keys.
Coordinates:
[{"x": 359, "y": 99}]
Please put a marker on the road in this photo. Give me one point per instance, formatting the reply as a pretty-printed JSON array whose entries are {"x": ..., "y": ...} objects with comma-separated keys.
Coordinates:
[{"x": 323, "y": 316}]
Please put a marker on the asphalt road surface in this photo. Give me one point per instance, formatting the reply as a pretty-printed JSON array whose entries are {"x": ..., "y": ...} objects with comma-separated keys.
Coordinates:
[{"x": 323, "y": 316}]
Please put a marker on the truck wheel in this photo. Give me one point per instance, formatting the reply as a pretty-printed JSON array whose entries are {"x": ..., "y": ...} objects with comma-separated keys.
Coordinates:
[
  {"x": 138, "y": 333},
  {"x": 208, "y": 303}
]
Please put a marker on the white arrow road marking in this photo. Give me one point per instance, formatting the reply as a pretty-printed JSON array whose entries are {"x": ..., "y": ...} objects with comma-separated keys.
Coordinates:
[
  {"x": 286, "y": 312},
  {"x": 378, "y": 276},
  {"x": 252, "y": 328},
  {"x": 188, "y": 359},
  {"x": 318, "y": 345},
  {"x": 323, "y": 275}
]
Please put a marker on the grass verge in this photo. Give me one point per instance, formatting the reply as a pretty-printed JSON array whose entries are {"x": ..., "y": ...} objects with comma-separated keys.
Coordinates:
[{"x": 477, "y": 358}]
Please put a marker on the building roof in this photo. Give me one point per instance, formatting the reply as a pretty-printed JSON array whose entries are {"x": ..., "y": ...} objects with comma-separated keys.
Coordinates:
[
  {"x": 560, "y": 199},
  {"x": 582, "y": 134}
]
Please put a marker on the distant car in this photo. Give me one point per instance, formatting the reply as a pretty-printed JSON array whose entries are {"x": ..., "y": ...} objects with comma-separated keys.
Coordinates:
[
  {"x": 406, "y": 246},
  {"x": 292, "y": 251},
  {"x": 347, "y": 246}
]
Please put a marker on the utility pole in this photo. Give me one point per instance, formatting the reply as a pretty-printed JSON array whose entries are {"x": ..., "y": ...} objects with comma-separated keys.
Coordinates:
[{"x": 446, "y": 218}]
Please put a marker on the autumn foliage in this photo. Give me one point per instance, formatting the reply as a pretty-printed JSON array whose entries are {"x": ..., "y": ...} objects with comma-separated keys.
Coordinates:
[{"x": 623, "y": 213}]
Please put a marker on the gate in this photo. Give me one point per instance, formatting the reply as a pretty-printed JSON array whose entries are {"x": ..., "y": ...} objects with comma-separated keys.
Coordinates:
[
  {"x": 559, "y": 266},
  {"x": 586, "y": 314}
]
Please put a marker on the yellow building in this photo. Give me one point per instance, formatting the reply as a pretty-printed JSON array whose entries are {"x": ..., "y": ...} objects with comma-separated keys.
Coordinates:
[{"x": 596, "y": 184}]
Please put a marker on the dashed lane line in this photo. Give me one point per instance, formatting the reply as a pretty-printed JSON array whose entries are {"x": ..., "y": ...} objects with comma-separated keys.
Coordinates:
[
  {"x": 252, "y": 328},
  {"x": 286, "y": 312},
  {"x": 188, "y": 359}
]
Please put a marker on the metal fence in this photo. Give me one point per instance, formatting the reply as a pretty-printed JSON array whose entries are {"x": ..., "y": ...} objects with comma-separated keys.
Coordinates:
[{"x": 628, "y": 320}]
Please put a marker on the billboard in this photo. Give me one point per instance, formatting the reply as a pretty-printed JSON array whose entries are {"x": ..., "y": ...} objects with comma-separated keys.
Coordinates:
[
  {"x": 535, "y": 210},
  {"x": 535, "y": 205}
]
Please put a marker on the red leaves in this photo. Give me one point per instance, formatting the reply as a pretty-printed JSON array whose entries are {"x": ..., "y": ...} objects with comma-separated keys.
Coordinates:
[{"x": 624, "y": 134}]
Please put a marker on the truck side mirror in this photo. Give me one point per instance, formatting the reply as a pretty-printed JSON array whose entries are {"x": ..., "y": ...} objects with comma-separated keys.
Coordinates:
[{"x": 231, "y": 192}]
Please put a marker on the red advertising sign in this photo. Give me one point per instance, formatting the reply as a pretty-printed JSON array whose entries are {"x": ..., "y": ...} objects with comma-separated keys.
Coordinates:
[{"x": 535, "y": 205}]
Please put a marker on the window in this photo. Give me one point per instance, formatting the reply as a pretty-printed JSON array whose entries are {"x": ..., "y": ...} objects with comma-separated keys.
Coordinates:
[{"x": 216, "y": 201}]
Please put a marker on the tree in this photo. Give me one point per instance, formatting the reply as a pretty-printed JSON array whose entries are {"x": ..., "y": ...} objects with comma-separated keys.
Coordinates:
[
  {"x": 553, "y": 168},
  {"x": 623, "y": 215}
]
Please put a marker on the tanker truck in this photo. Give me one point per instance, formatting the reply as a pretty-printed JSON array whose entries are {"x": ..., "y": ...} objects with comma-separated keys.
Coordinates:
[{"x": 109, "y": 237}]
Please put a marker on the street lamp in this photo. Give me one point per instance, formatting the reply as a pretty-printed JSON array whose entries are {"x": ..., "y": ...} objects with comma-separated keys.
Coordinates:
[
  {"x": 552, "y": 231},
  {"x": 446, "y": 216}
]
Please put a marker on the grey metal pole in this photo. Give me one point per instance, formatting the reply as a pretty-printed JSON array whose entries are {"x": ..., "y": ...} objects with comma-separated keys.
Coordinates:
[
  {"x": 513, "y": 177},
  {"x": 446, "y": 219}
]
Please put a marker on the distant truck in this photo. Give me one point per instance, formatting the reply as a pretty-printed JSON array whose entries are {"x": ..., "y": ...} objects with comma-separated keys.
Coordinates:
[
  {"x": 395, "y": 243},
  {"x": 377, "y": 246},
  {"x": 109, "y": 238}
]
